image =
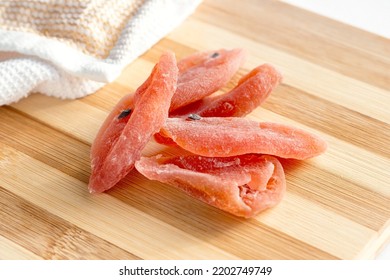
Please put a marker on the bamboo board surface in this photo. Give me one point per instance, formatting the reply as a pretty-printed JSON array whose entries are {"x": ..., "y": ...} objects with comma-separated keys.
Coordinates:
[{"x": 337, "y": 206}]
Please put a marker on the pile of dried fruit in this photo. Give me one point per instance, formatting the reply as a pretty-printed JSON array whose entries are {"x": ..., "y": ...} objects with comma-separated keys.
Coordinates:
[{"x": 229, "y": 161}]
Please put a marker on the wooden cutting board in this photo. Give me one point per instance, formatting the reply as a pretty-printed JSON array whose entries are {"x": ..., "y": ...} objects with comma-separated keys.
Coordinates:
[{"x": 336, "y": 84}]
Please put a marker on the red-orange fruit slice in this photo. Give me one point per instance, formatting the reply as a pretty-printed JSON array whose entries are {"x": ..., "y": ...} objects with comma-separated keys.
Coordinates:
[
  {"x": 222, "y": 137},
  {"x": 203, "y": 73},
  {"x": 111, "y": 128},
  {"x": 131, "y": 124},
  {"x": 115, "y": 122},
  {"x": 251, "y": 91},
  {"x": 241, "y": 185}
]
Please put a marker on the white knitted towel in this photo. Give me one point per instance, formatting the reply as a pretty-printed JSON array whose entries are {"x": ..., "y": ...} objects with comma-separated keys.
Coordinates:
[{"x": 71, "y": 48}]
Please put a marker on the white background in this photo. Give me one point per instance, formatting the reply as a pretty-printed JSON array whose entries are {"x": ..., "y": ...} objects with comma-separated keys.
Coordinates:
[{"x": 369, "y": 15}]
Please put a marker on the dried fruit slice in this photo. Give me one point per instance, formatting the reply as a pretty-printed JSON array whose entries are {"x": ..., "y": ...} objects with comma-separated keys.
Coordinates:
[
  {"x": 203, "y": 73},
  {"x": 222, "y": 137},
  {"x": 242, "y": 185},
  {"x": 111, "y": 128},
  {"x": 251, "y": 90},
  {"x": 131, "y": 124},
  {"x": 115, "y": 122}
]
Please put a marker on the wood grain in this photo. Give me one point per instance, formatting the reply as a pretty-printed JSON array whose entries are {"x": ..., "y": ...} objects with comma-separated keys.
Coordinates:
[
  {"x": 336, "y": 84},
  {"x": 28, "y": 226}
]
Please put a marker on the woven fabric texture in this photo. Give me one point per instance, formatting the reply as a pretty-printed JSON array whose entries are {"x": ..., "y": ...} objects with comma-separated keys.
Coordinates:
[{"x": 70, "y": 48}]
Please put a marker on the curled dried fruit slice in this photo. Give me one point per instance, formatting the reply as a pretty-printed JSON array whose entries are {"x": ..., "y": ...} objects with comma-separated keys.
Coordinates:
[
  {"x": 131, "y": 124},
  {"x": 222, "y": 137},
  {"x": 250, "y": 92},
  {"x": 203, "y": 73},
  {"x": 242, "y": 185}
]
